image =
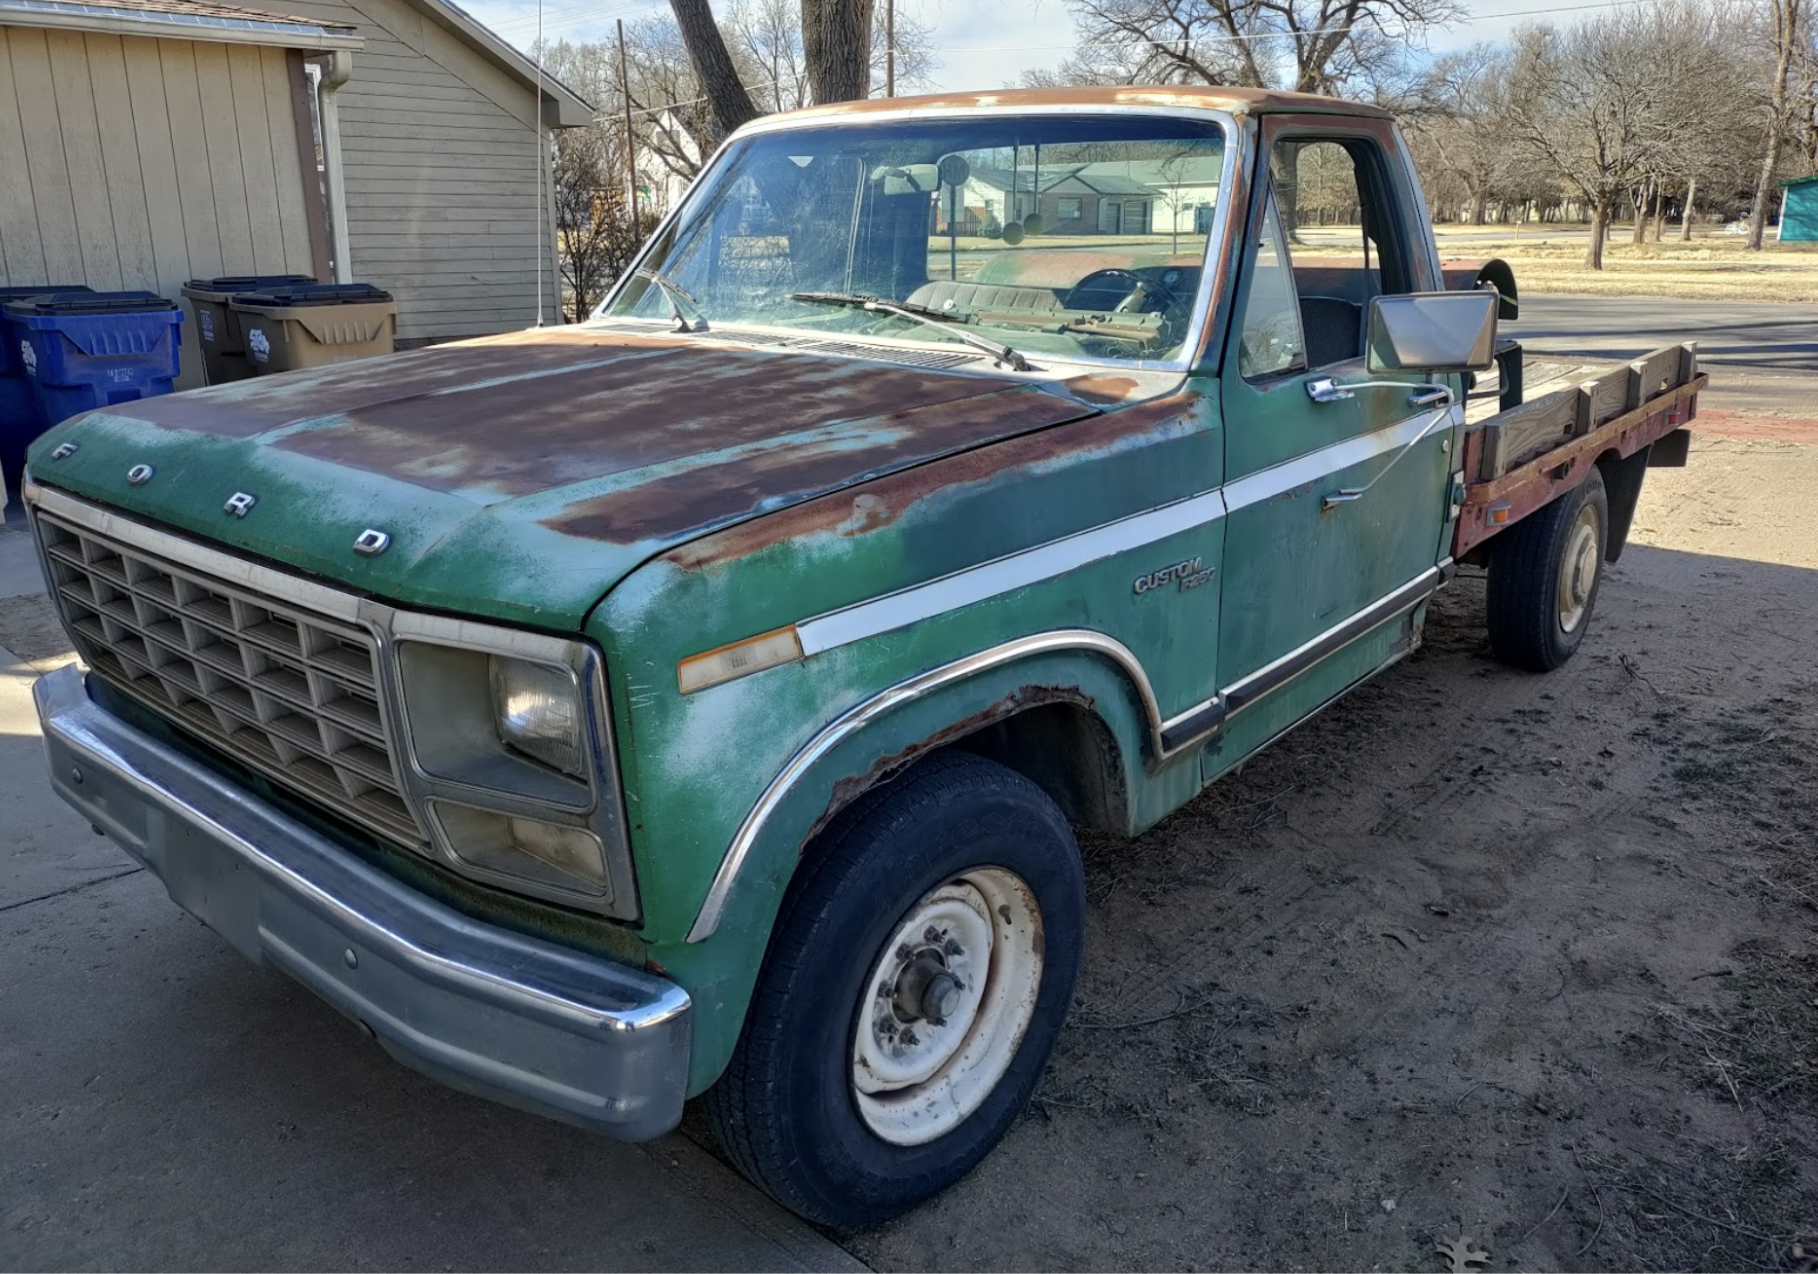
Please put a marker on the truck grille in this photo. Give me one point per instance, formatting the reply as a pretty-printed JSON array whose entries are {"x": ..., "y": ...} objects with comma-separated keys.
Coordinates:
[{"x": 293, "y": 694}]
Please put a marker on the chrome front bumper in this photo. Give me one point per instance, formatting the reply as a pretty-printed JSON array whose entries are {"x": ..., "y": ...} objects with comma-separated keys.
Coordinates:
[{"x": 525, "y": 1022}]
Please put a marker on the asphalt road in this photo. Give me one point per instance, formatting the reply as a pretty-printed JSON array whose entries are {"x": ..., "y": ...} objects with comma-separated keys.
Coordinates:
[
  {"x": 168, "y": 1105},
  {"x": 1762, "y": 356}
]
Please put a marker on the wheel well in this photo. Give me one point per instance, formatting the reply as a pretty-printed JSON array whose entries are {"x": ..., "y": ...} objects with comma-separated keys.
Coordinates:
[
  {"x": 1058, "y": 743},
  {"x": 1068, "y": 752}
]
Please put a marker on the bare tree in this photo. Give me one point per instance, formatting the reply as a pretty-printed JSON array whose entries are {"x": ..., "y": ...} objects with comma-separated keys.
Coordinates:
[
  {"x": 1313, "y": 46},
  {"x": 1789, "y": 40},
  {"x": 597, "y": 230},
  {"x": 766, "y": 39},
  {"x": 713, "y": 65},
  {"x": 1587, "y": 102},
  {"x": 836, "y": 40}
]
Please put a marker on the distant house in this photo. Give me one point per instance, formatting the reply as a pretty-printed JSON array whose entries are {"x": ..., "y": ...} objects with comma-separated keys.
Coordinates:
[
  {"x": 145, "y": 142},
  {"x": 1113, "y": 197},
  {"x": 1799, "y": 210}
]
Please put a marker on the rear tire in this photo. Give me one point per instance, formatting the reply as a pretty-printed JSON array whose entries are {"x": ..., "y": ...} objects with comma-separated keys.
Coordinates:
[
  {"x": 916, "y": 981},
  {"x": 1545, "y": 573}
]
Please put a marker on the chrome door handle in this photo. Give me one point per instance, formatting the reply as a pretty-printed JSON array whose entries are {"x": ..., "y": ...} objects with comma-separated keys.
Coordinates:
[{"x": 1431, "y": 396}]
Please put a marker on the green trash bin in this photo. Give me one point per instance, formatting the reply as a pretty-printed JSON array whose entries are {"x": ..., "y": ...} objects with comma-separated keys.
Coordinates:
[
  {"x": 312, "y": 325},
  {"x": 218, "y": 327}
]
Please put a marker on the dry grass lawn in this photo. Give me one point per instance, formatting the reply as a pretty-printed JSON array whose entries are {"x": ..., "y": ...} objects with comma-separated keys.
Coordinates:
[{"x": 1710, "y": 267}]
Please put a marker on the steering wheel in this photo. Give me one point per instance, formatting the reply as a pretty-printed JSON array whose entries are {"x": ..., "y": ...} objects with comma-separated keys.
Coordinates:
[{"x": 1115, "y": 290}]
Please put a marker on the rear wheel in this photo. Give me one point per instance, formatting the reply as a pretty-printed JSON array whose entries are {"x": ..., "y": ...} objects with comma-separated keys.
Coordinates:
[
  {"x": 1544, "y": 575},
  {"x": 915, "y": 984}
]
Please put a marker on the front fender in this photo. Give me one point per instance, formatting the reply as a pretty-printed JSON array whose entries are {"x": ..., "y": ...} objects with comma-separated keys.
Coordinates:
[{"x": 720, "y": 957}]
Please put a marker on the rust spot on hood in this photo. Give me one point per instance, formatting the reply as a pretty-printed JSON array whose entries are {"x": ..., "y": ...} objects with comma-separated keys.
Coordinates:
[
  {"x": 879, "y": 503},
  {"x": 1102, "y": 389},
  {"x": 801, "y": 466}
]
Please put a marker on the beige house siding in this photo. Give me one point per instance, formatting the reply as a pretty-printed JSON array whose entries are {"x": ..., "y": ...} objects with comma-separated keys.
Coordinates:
[
  {"x": 136, "y": 163},
  {"x": 438, "y": 147}
]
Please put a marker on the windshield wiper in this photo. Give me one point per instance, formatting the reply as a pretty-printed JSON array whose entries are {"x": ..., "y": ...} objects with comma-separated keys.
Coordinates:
[
  {"x": 1003, "y": 354},
  {"x": 675, "y": 294}
]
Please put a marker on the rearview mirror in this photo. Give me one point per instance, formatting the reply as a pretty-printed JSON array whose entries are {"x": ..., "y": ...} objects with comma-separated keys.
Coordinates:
[{"x": 1432, "y": 332}]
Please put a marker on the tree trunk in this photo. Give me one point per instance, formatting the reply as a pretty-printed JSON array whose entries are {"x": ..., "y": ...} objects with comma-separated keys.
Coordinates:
[
  {"x": 725, "y": 91},
  {"x": 836, "y": 42},
  {"x": 1641, "y": 215},
  {"x": 1479, "y": 203},
  {"x": 1786, "y": 38},
  {"x": 1600, "y": 220},
  {"x": 1685, "y": 219},
  {"x": 1659, "y": 210}
]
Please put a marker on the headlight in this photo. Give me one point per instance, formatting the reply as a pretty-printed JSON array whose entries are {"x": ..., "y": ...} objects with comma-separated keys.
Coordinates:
[
  {"x": 539, "y": 713},
  {"x": 509, "y": 763}
]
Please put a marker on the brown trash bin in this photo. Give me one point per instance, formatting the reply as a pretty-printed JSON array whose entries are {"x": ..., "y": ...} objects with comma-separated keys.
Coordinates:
[
  {"x": 218, "y": 327},
  {"x": 312, "y": 325}
]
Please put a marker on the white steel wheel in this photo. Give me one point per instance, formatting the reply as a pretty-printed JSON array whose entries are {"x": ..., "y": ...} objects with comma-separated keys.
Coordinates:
[
  {"x": 946, "y": 1007},
  {"x": 1578, "y": 569}
]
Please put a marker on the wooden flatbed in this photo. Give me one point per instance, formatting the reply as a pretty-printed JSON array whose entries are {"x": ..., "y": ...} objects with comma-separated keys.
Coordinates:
[{"x": 1553, "y": 418}]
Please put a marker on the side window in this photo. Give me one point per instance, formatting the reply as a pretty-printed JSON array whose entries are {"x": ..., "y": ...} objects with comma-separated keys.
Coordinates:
[
  {"x": 1271, "y": 341},
  {"x": 1325, "y": 222}
]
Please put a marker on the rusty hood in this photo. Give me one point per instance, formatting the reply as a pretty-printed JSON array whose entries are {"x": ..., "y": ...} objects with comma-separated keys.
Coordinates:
[{"x": 523, "y": 476}]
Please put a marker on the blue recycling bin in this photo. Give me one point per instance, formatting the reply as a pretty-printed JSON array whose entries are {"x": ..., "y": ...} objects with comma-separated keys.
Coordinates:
[
  {"x": 83, "y": 350},
  {"x": 18, "y": 412}
]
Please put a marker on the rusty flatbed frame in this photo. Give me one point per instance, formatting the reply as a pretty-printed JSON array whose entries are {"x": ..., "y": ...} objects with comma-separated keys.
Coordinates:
[{"x": 1494, "y": 506}]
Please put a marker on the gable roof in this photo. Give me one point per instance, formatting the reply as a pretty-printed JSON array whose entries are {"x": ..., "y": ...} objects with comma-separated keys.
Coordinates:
[
  {"x": 562, "y": 106},
  {"x": 181, "y": 20}
]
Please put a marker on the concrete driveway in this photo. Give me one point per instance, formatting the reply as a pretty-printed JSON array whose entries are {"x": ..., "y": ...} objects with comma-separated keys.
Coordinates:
[{"x": 167, "y": 1105}]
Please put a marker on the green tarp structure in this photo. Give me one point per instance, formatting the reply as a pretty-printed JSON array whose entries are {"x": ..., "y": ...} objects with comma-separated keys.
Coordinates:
[{"x": 1799, "y": 212}]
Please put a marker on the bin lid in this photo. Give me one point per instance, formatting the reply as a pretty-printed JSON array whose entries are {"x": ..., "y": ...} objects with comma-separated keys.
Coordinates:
[
  {"x": 92, "y": 303},
  {"x": 42, "y": 289},
  {"x": 247, "y": 282},
  {"x": 315, "y": 294}
]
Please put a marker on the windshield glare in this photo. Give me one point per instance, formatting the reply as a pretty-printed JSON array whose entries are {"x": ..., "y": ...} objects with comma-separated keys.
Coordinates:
[{"x": 1067, "y": 237}]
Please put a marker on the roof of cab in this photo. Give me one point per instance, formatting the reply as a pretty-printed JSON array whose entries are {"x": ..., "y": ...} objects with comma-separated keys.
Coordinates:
[{"x": 1238, "y": 101}]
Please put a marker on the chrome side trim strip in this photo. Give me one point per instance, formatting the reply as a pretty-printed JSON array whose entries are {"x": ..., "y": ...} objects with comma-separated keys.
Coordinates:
[
  {"x": 714, "y": 906},
  {"x": 891, "y": 611},
  {"x": 1167, "y": 739},
  {"x": 1006, "y": 574},
  {"x": 1266, "y": 484},
  {"x": 1277, "y": 673}
]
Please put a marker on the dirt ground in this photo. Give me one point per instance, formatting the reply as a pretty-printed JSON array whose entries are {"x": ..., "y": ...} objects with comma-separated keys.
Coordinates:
[
  {"x": 1529, "y": 960},
  {"x": 1477, "y": 954}
]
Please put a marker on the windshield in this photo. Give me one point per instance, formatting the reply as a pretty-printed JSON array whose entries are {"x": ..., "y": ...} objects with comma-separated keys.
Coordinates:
[{"x": 1078, "y": 237}]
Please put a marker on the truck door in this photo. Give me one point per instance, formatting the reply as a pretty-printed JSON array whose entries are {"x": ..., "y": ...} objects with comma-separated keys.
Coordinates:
[{"x": 1308, "y": 572}]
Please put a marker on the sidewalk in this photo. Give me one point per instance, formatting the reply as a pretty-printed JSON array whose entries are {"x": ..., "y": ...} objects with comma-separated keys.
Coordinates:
[{"x": 168, "y": 1105}]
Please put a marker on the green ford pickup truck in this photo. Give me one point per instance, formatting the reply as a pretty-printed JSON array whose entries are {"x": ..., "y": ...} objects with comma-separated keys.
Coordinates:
[{"x": 700, "y": 700}]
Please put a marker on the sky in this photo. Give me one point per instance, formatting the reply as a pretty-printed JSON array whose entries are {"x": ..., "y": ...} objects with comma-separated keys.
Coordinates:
[{"x": 978, "y": 45}]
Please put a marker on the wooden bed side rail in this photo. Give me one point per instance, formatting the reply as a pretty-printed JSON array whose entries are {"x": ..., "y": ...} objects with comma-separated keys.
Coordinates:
[{"x": 1495, "y": 505}]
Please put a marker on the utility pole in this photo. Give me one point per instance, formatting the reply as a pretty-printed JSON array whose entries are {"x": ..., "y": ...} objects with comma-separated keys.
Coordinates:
[
  {"x": 631, "y": 147},
  {"x": 889, "y": 48}
]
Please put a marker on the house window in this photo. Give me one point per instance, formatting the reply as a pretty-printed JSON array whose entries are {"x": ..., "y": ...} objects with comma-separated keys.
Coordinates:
[{"x": 1068, "y": 210}]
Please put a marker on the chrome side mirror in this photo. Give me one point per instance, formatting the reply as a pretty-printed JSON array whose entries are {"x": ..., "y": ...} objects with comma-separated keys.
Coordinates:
[{"x": 1432, "y": 332}]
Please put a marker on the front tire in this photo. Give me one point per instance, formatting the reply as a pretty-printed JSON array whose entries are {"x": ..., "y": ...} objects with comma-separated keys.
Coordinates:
[
  {"x": 916, "y": 982},
  {"x": 1545, "y": 573}
]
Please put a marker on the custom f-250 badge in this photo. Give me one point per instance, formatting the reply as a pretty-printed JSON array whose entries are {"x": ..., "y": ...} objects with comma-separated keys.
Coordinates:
[{"x": 1190, "y": 574}]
